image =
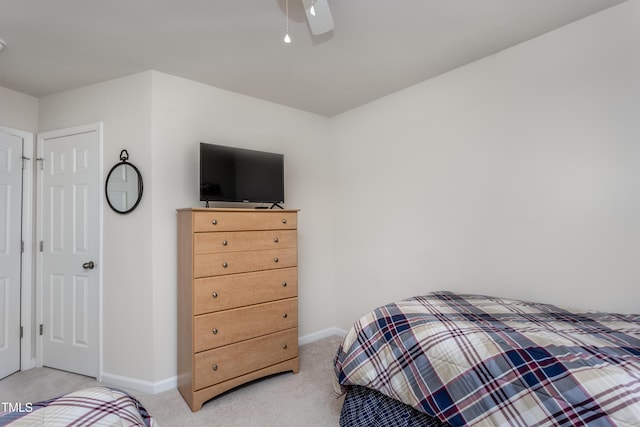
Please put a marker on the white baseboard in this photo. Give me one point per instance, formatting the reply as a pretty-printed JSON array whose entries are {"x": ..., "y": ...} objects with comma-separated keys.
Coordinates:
[
  {"x": 135, "y": 384},
  {"x": 167, "y": 384},
  {"x": 329, "y": 332}
]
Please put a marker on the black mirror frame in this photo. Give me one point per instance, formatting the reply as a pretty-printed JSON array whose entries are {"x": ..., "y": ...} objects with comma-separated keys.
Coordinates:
[{"x": 124, "y": 156}]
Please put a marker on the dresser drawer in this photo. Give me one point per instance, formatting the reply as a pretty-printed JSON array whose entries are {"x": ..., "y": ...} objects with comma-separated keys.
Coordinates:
[
  {"x": 229, "y": 221},
  {"x": 237, "y": 290},
  {"x": 223, "y": 263},
  {"x": 205, "y": 265},
  {"x": 229, "y": 326},
  {"x": 235, "y": 241},
  {"x": 276, "y": 258},
  {"x": 224, "y": 363}
]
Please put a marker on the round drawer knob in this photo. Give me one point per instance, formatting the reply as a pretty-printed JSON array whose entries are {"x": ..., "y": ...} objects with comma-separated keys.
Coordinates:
[
  {"x": 215, "y": 295},
  {"x": 284, "y": 284},
  {"x": 284, "y": 346},
  {"x": 224, "y": 243},
  {"x": 214, "y": 367},
  {"x": 215, "y": 331},
  {"x": 225, "y": 265},
  {"x": 214, "y": 221},
  {"x": 284, "y": 220},
  {"x": 276, "y": 259},
  {"x": 284, "y": 315},
  {"x": 276, "y": 240}
]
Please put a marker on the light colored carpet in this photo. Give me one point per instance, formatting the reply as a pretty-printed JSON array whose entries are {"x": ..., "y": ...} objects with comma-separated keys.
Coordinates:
[{"x": 303, "y": 399}]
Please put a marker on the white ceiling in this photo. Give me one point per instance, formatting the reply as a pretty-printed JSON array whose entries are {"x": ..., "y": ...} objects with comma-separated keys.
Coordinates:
[{"x": 377, "y": 47}]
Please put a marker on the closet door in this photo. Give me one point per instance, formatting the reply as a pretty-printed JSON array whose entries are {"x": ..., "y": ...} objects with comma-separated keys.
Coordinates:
[
  {"x": 10, "y": 251},
  {"x": 70, "y": 249}
]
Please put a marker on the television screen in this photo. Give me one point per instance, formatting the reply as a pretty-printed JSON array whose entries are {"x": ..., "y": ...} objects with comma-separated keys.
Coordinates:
[{"x": 230, "y": 174}]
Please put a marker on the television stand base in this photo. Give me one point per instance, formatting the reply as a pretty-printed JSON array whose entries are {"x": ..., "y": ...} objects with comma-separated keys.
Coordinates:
[{"x": 272, "y": 206}]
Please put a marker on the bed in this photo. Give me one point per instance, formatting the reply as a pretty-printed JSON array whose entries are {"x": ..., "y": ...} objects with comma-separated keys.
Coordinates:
[
  {"x": 95, "y": 406},
  {"x": 455, "y": 359}
]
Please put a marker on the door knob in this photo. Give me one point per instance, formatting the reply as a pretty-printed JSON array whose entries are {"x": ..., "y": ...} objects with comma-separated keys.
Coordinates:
[{"x": 88, "y": 265}]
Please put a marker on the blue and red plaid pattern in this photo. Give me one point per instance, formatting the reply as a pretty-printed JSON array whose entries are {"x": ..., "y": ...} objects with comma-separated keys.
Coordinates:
[
  {"x": 95, "y": 407},
  {"x": 365, "y": 407},
  {"x": 483, "y": 361}
]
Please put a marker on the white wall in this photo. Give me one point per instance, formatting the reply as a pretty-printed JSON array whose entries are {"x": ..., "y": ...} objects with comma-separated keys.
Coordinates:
[
  {"x": 124, "y": 106},
  {"x": 18, "y": 111},
  {"x": 517, "y": 175},
  {"x": 186, "y": 113}
]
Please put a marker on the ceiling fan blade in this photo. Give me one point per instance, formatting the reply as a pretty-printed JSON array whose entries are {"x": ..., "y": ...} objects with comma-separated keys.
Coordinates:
[{"x": 322, "y": 22}]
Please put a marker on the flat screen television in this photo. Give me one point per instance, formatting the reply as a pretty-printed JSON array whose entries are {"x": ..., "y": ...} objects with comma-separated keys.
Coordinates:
[{"x": 230, "y": 174}]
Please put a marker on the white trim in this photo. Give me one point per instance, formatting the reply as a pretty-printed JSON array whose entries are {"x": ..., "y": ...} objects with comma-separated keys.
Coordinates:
[
  {"x": 38, "y": 254},
  {"x": 91, "y": 127},
  {"x": 171, "y": 383},
  {"x": 26, "y": 284},
  {"x": 325, "y": 333},
  {"x": 134, "y": 384},
  {"x": 99, "y": 127},
  {"x": 27, "y": 307}
]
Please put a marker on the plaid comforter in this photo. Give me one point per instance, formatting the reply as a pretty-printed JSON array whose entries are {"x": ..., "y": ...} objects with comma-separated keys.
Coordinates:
[
  {"x": 95, "y": 406},
  {"x": 482, "y": 361}
]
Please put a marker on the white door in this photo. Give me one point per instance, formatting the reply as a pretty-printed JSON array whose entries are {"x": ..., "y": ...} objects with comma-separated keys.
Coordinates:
[
  {"x": 10, "y": 252},
  {"x": 70, "y": 196}
]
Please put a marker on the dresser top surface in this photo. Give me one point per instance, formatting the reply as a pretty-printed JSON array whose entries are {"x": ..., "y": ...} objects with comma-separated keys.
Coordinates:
[{"x": 235, "y": 210}]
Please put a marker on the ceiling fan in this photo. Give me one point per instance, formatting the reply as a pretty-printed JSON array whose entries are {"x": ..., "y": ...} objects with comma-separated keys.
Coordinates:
[{"x": 318, "y": 16}]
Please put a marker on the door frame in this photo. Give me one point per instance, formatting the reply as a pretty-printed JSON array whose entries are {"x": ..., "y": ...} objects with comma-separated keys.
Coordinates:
[
  {"x": 92, "y": 127},
  {"x": 27, "y": 359}
]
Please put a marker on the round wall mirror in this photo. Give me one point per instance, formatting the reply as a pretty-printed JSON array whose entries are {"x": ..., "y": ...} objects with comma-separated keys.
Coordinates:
[{"x": 123, "y": 187}]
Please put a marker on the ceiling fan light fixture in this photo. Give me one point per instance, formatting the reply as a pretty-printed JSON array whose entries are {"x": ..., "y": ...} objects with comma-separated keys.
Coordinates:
[{"x": 287, "y": 39}]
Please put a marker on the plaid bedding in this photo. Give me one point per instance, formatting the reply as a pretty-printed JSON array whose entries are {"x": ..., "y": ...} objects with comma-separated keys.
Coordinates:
[
  {"x": 366, "y": 407},
  {"x": 96, "y": 406},
  {"x": 483, "y": 361}
]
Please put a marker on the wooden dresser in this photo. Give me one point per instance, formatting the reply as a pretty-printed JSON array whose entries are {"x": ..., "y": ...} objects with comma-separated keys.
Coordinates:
[{"x": 237, "y": 298}]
